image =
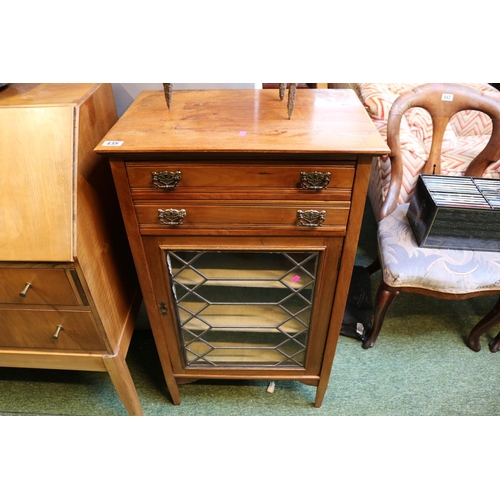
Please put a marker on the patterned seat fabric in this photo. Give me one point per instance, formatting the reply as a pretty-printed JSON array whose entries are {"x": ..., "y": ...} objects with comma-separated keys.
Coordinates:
[
  {"x": 405, "y": 264},
  {"x": 467, "y": 133}
]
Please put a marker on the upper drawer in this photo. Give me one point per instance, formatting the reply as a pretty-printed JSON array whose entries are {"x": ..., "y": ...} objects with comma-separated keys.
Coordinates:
[
  {"x": 304, "y": 177},
  {"x": 37, "y": 287}
]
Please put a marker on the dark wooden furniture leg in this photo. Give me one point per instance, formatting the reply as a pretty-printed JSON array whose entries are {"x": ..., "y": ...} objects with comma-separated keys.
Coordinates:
[
  {"x": 489, "y": 321},
  {"x": 383, "y": 301},
  {"x": 495, "y": 344},
  {"x": 374, "y": 266}
]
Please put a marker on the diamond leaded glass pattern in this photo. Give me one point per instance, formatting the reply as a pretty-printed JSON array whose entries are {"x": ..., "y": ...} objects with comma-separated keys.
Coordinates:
[{"x": 243, "y": 308}]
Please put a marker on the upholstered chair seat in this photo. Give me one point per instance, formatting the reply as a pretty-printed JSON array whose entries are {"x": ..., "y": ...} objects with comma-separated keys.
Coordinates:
[{"x": 407, "y": 265}]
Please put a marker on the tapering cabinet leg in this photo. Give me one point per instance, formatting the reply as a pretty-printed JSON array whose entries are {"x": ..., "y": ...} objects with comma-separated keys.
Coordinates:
[
  {"x": 489, "y": 321},
  {"x": 385, "y": 297},
  {"x": 124, "y": 385}
]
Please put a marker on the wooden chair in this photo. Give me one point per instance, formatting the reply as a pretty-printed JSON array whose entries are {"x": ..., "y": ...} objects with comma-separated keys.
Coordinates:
[{"x": 449, "y": 274}]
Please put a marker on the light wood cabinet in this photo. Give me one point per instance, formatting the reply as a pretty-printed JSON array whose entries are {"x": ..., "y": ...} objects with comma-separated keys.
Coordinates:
[
  {"x": 69, "y": 294},
  {"x": 244, "y": 227}
]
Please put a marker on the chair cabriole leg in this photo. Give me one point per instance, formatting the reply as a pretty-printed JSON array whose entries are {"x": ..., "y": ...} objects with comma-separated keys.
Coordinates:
[
  {"x": 489, "y": 321},
  {"x": 383, "y": 301}
]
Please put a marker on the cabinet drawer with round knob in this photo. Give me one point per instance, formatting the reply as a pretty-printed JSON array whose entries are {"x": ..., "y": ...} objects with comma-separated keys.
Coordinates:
[
  {"x": 53, "y": 330},
  {"x": 35, "y": 286}
]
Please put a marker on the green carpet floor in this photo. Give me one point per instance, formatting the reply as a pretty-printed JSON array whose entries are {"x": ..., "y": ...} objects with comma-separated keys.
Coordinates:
[{"x": 419, "y": 366}]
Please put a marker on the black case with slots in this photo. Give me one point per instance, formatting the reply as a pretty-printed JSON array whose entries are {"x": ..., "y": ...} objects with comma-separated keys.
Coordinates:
[{"x": 456, "y": 212}]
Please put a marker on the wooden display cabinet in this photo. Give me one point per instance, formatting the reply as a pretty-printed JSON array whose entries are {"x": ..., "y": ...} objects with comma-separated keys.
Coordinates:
[
  {"x": 244, "y": 227},
  {"x": 69, "y": 295}
]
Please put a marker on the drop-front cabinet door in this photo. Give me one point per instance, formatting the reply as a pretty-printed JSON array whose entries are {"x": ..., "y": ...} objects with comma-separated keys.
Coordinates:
[
  {"x": 244, "y": 303},
  {"x": 36, "y": 190}
]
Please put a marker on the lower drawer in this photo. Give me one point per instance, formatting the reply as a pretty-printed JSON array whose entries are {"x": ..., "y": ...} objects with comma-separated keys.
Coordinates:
[
  {"x": 53, "y": 330},
  {"x": 231, "y": 215}
]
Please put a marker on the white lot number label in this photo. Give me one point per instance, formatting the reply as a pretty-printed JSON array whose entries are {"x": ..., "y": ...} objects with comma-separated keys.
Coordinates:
[
  {"x": 447, "y": 97},
  {"x": 112, "y": 143}
]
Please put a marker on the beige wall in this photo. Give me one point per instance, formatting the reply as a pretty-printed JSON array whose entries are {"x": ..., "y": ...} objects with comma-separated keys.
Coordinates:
[{"x": 125, "y": 93}]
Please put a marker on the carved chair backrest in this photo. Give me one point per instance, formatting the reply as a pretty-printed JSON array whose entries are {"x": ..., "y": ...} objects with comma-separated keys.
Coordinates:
[{"x": 442, "y": 101}]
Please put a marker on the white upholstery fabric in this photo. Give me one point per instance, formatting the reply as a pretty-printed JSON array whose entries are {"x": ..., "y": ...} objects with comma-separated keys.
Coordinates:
[{"x": 405, "y": 264}]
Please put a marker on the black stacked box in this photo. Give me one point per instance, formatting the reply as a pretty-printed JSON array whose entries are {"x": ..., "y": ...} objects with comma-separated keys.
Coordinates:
[{"x": 456, "y": 212}]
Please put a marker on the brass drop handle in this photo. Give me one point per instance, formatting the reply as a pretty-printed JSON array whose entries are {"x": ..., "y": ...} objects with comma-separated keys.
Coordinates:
[
  {"x": 311, "y": 218},
  {"x": 171, "y": 216},
  {"x": 314, "y": 180},
  {"x": 58, "y": 331},
  {"x": 166, "y": 179},
  {"x": 25, "y": 291}
]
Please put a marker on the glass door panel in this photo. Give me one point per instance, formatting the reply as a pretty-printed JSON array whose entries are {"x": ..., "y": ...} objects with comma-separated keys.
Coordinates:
[{"x": 243, "y": 308}]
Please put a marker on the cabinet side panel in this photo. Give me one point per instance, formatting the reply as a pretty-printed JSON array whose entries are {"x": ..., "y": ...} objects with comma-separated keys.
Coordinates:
[
  {"x": 36, "y": 191},
  {"x": 102, "y": 248}
]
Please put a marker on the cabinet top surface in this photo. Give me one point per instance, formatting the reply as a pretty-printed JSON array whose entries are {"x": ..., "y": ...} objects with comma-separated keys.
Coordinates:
[
  {"x": 253, "y": 121},
  {"x": 43, "y": 94}
]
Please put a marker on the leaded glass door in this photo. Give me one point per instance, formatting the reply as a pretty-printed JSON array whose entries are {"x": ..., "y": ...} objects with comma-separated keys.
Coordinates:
[{"x": 243, "y": 308}]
